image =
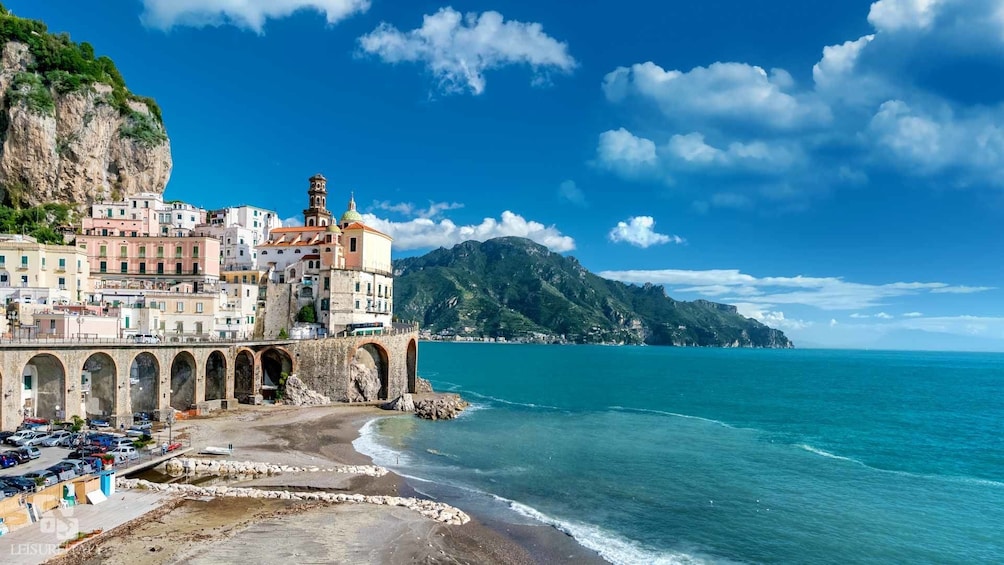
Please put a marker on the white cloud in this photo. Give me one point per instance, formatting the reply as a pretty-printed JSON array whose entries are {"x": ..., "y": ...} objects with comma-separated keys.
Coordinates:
[
  {"x": 732, "y": 92},
  {"x": 569, "y": 191},
  {"x": 833, "y": 323},
  {"x": 774, "y": 319},
  {"x": 895, "y": 15},
  {"x": 883, "y": 316},
  {"x": 825, "y": 293},
  {"x": 457, "y": 49},
  {"x": 411, "y": 210},
  {"x": 423, "y": 233},
  {"x": 859, "y": 316},
  {"x": 292, "y": 222},
  {"x": 621, "y": 150},
  {"x": 912, "y": 315},
  {"x": 640, "y": 232},
  {"x": 911, "y": 98},
  {"x": 247, "y": 14}
]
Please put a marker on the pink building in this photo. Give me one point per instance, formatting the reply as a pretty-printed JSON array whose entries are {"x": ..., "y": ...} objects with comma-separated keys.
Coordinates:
[{"x": 173, "y": 258}]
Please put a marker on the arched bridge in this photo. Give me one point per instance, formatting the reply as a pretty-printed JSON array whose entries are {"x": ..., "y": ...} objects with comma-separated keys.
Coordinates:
[{"x": 114, "y": 381}]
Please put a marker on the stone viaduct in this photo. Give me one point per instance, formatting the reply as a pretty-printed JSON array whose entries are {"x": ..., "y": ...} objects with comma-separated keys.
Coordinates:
[{"x": 115, "y": 380}]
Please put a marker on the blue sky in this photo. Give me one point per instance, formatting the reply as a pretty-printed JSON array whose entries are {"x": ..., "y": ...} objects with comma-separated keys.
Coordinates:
[{"x": 835, "y": 169}]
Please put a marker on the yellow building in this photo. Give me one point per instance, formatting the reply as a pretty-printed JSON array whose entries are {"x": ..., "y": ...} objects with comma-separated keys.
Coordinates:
[{"x": 34, "y": 273}]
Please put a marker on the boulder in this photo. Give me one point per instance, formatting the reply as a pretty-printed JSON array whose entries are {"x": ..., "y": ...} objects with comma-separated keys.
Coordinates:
[
  {"x": 440, "y": 407},
  {"x": 422, "y": 386},
  {"x": 403, "y": 403},
  {"x": 297, "y": 394},
  {"x": 364, "y": 383}
]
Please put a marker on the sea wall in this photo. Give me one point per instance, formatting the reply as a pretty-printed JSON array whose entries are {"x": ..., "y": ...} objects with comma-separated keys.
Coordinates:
[
  {"x": 433, "y": 510},
  {"x": 326, "y": 365}
]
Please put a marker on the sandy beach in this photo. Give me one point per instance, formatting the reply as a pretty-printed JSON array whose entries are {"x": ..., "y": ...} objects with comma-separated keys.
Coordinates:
[{"x": 228, "y": 530}]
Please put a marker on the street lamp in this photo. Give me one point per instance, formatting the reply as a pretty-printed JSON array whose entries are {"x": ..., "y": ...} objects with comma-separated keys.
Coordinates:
[
  {"x": 80, "y": 325},
  {"x": 11, "y": 320}
]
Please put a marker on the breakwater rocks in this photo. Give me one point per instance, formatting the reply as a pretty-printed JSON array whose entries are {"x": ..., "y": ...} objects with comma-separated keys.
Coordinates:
[
  {"x": 440, "y": 407},
  {"x": 433, "y": 510},
  {"x": 189, "y": 466}
]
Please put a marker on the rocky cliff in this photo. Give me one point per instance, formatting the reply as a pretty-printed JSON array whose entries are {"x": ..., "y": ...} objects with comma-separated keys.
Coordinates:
[{"x": 69, "y": 129}]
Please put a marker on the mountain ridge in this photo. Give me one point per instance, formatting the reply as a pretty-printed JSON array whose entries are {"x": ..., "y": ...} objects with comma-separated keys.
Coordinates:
[{"x": 514, "y": 288}]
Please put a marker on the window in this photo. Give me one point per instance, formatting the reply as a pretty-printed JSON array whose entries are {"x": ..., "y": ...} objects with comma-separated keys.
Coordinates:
[
  {"x": 103, "y": 267},
  {"x": 160, "y": 251},
  {"x": 24, "y": 261},
  {"x": 357, "y": 304},
  {"x": 297, "y": 252},
  {"x": 160, "y": 268},
  {"x": 327, "y": 283},
  {"x": 78, "y": 264},
  {"x": 121, "y": 211},
  {"x": 177, "y": 268},
  {"x": 62, "y": 283},
  {"x": 24, "y": 280},
  {"x": 142, "y": 252},
  {"x": 27, "y": 382},
  {"x": 324, "y": 304},
  {"x": 133, "y": 203},
  {"x": 195, "y": 269},
  {"x": 179, "y": 217},
  {"x": 264, "y": 252},
  {"x": 3, "y": 260},
  {"x": 180, "y": 306},
  {"x": 195, "y": 251},
  {"x": 124, "y": 266},
  {"x": 133, "y": 234},
  {"x": 357, "y": 286},
  {"x": 43, "y": 263},
  {"x": 242, "y": 252},
  {"x": 379, "y": 290},
  {"x": 352, "y": 244},
  {"x": 123, "y": 251},
  {"x": 110, "y": 213},
  {"x": 179, "y": 327},
  {"x": 142, "y": 268},
  {"x": 177, "y": 251},
  {"x": 62, "y": 264},
  {"x": 198, "y": 307},
  {"x": 369, "y": 288}
]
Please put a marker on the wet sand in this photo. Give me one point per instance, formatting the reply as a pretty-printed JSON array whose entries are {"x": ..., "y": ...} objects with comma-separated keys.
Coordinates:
[{"x": 268, "y": 531}]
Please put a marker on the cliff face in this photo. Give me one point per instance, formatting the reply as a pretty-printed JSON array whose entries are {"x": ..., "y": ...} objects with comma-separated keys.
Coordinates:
[{"x": 73, "y": 146}]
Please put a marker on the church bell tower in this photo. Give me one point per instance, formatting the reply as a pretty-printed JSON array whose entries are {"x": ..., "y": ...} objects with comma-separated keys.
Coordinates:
[{"x": 317, "y": 214}]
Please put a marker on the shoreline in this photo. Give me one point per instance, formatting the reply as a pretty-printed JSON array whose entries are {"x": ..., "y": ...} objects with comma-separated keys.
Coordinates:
[{"x": 315, "y": 531}]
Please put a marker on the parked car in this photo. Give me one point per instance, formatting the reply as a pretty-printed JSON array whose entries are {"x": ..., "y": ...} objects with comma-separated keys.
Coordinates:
[
  {"x": 16, "y": 437},
  {"x": 121, "y": 442},
  {"x": 6, "y": 461},
  {"x": 31, "y": 451},
  {"x": 63, "y": 471},
  {"x": 5, "y": 435},
  {"x": 48, "y": 477},
  {"x": 87, "y": 451},
  {"x": 8, "y": 489},
  {"x": 97, "y": 423},
  {"x": 140, "y": 430},
  {"x": 80, "y": 466},
  {"x": 17, "y": 454},
  {"x": 21, "y": 483},
  {"x": 56, "y": 438},
  {"x": 124, "y": 453}
]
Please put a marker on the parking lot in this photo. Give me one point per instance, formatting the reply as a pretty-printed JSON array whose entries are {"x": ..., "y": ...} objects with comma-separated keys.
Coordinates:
[{"x": 50, "y": 456}]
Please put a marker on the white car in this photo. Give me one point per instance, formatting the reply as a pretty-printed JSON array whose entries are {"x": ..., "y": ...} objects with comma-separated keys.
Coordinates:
[
  {"x": 124, "y": 453},
  {"x": 32, "y": 438},
  {"x": 146, "y": 338}
]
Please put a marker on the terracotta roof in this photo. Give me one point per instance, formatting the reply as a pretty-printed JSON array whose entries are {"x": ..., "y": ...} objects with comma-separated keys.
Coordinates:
[{"x": 364, "y": 227}]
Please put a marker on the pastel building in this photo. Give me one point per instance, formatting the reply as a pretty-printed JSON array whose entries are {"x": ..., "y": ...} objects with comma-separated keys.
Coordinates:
[
  {"x": 192, "y": 259},
  {"x": 42, "y": 274},
  {"x": 240, "y": 229},
  {"x": 342, "y": 268}
]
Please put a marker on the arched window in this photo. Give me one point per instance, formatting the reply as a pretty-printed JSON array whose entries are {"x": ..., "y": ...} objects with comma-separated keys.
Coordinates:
[
  {"x": 292, "y": 273},
  {"x": 310, "y": 222}
]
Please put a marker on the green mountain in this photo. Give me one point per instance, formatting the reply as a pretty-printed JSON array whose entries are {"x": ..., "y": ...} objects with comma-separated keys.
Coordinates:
[{"x": 514, "y": 288}]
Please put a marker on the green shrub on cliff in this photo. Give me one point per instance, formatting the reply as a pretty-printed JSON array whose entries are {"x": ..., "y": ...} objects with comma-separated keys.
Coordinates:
[
  {"x": 28, "y": 88},
  {"x": 144, "y": 129},
  {"x": 37, "y": 221},
  {"x": 67, "y": 66}
]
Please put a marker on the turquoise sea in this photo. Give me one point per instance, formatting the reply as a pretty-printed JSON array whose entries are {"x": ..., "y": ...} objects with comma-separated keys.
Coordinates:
[{"x": 671, "y": 455}]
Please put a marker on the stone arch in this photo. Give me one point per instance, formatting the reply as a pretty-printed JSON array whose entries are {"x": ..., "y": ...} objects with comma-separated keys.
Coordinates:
[
  {"x": 412, "y": 366},
  {"x": 216, "y": 376},
  {"x": 47, "y": 393},
  {"x": 183, "y": 381},
  {"x": 274, "y": 362},
  {"x": 244, "y": 374},
  {"x": 144, "y": 384},
  {"x": 99, "y": 386},
  {"x": 369, "y": 375}
]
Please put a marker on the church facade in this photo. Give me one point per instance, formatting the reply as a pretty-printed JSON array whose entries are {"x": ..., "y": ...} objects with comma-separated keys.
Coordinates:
[{"x": 338, "y": 273}]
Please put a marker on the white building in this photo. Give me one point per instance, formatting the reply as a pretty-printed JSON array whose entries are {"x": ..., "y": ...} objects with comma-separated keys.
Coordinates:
[{"x": 240, "y": 229}]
